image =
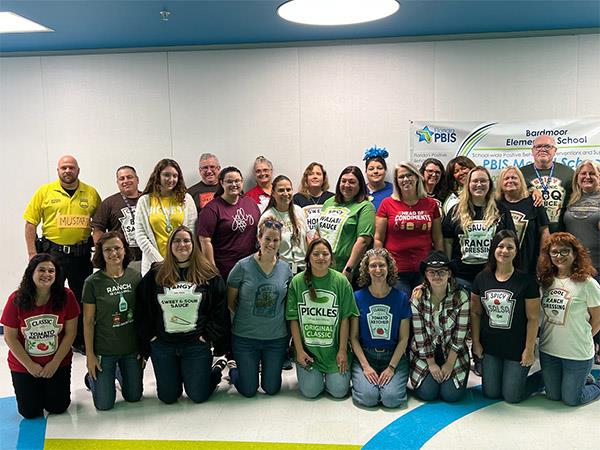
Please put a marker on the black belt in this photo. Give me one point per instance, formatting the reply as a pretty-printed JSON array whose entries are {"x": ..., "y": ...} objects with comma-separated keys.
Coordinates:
[{"x": 82, "y": 248}]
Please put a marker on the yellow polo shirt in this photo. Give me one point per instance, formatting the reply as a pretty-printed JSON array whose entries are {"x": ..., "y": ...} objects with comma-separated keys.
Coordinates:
[{"x": 65, "y": 219}]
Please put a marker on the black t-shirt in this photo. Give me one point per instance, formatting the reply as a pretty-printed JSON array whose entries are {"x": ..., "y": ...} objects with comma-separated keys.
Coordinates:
[
  {"x": 470, "y": 249},
  {"x": 504, "y": 318},
  {"x": 529, "y": 221},
  {"x": 302, "y": 201},
  {"x": 202, "y": 193}
]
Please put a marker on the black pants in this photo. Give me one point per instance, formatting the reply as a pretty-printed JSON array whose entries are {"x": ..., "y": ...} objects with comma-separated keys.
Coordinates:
[
  {"x": 76, "y": 269},
  {"x": 34, "y": 395}
]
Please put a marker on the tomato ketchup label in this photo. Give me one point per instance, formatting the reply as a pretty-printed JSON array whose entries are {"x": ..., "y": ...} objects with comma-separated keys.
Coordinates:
[{"x": 41, "y": 334}]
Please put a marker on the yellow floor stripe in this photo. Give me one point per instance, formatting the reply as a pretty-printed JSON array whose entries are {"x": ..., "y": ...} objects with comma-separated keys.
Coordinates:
[{"x": 101, "y": 444}]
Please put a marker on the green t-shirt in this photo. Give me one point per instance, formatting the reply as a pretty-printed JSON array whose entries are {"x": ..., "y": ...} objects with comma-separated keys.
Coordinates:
[
  {"x": 320, "y": 319},
  {"x": 114, "y": 333}
]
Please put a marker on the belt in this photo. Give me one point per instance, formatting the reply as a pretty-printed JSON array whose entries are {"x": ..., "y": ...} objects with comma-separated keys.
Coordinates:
[
  {"x": 79, "y": 249},
  {"x": 379, "y": 350}
]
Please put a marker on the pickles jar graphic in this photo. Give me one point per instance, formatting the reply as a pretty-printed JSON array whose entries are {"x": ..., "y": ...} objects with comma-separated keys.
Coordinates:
[{"x": 319, "y": 318}]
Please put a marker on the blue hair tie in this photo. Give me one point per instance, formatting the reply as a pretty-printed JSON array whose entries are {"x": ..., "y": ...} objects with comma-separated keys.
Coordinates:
[{"x": 375, "y": 152}]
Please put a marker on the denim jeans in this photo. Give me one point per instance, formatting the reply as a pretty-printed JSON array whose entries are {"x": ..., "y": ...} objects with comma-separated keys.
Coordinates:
[
  {"x": 407, "y": 281},
  {"x": 248, "y": 353},
  {"x": 189, "y": 363},
  {"x": 430, "y": 390},
  {"x": 103, "y": 388},
  {"x": 503, "y": 378},
  {"x": 390, "y": 395},
  {"x": 565, "y": 380},
  {"x": 312, "y": 382}
]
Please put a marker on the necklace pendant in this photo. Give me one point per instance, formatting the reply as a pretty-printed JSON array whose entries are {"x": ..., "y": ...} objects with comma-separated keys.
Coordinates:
[{"x": 168, "y": 228}]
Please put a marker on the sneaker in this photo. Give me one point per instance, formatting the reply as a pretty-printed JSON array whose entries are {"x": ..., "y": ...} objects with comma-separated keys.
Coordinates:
[
  {"x": 88, "y": 381},
  {"x": 119, "y": 377},
  {"x": 590, "y": 379},
  {"x": 219, "y": 365},
  {"x": 233, "y": 371},
  {"x": 287, "y": 364},
  {"x": 476, "y": 369}
]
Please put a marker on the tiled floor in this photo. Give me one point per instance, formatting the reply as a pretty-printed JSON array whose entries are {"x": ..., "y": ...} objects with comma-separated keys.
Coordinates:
[{"x": 287, "y": 418}]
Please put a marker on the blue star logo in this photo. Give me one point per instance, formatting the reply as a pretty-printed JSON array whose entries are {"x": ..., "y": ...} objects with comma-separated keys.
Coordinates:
[{"x": 424, "y": 134}]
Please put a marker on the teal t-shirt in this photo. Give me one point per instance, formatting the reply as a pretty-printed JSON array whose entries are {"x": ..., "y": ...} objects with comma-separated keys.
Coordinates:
[
  {"x": 260, "y": 312},
  {"x": 320, "y": 319},
  {"x": 342, "y": 223},
  {"x": 114, "y": 333}
]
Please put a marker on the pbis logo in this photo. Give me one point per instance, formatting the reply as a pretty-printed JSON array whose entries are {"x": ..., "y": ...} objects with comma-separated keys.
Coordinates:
[{"x": 443, "y": 135}]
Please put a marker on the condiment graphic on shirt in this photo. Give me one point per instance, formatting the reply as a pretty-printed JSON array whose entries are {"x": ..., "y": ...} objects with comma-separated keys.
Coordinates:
[
  {"x": 123, "y": 314},
  {"x": 331, "y": 224},
  {"x": 180, "y": 305},
  {"x": 312, "y": 218},
  {"x": 413, "y": 220},
  {"x": 500, "y": 306},
  {"x": 553, "y": 194},
  {"x": 128, "y": 225},
  {"x": 379, "y": 319},
  {"x": 72, "y": 221},
  {"x": 475, "y": 242},
  {"x": 41, "y": 334},
  {"x": 319, "y": 318},
  {"x": 555, "y": 303},
  {"x": 265, "y": 302},
  {"x": 521, "y": 222}
]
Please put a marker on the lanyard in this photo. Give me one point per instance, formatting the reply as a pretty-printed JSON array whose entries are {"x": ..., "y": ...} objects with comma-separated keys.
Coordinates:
[{"x": 539, "y": 176}]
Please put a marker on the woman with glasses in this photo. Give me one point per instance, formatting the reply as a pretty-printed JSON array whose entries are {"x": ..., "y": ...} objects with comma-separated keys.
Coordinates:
[
  {"x": 292, "y": 249},
  {"x": 319, "y": 305},
  {"x": 379, "y": 336},
  {"x": 261, "y": 193},
  {"x": 470, "y": 226},
  {"x": 434, "y": 179},
  {"x": 439, "y": 356},
  {"x": 108, "y": 326},
  {"x": 180, "y": 312},
  {"x": 408, "y": 225},
  {"x": 457, "y": 170},
  {"x": 347, "y": 221},
  {"x": 256, "y": 292},
  {"x": 531, "y": 222},
  {"x": 227, "y": 225},
  {"x": 571, "y": 307},
  {"x": 162, "y": 207},
  {"x": 505, "y": 305},
  {"x": 40, "y": 323},
  {"x": 312, "y": 194},
  {"x": 376, "y": 168}
]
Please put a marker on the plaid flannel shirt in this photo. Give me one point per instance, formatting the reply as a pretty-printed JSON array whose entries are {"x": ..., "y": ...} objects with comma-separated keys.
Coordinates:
[{"x": 454, "y": 322}]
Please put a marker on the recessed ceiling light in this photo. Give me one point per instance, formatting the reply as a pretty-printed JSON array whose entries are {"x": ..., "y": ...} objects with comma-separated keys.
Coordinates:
[
  {"x": 336, "y": 12},
  {"x": 13, "y": 23}
]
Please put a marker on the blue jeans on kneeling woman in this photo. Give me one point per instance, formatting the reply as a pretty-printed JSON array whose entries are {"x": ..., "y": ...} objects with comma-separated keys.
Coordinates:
[{"x": 507, "y": 379}]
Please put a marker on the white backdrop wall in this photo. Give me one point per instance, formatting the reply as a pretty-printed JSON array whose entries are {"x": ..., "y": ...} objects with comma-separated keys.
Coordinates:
[{"x": 293, "y": 105}]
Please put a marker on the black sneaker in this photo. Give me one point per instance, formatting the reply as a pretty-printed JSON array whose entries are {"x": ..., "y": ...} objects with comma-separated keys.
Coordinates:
[
  {"x": 233, "y": 371},
  {"x": 87, "y": 381},
  {"x": 476, "y": 369},
  {"x": 219, "y": 365}
]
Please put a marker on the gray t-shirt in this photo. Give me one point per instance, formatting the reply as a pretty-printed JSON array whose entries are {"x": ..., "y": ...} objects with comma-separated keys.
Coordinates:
[
  {"x": 582, "y": 219},
  {"x": 260, "y": 312}
]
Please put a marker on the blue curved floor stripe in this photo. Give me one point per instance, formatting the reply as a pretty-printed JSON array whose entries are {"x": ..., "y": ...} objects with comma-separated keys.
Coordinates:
[
  {"x": 18, "y": 433},
  {"x": 416, "y": 427}
]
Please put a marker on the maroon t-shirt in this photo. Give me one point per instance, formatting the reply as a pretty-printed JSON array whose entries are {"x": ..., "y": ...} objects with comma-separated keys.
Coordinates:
[
  {"x": 232, "y": 229},
  {"x": 40, "y": 330},
  {"x": 408, "y": 231}
]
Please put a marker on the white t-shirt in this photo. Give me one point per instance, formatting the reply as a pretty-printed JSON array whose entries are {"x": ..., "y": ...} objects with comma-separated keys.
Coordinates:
[{"x": 566, "y": 330}]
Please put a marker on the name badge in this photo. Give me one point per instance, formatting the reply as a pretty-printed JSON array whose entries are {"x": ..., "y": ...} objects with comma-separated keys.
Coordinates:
[{"x": 73, "y": 221}]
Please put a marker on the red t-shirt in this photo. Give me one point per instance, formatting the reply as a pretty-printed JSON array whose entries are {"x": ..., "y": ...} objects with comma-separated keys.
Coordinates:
[
  {"x": 408, "y": 233},
  {"x": 40, "y": 330},
  {"x": 259, "y": 196}
]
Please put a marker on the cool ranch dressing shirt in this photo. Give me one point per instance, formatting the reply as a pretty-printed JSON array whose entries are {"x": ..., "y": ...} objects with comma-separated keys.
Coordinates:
[
  {"x": 341, "y": 224},
  {"x": 40, "y": 330},
  {"x": 320, "y": 319}
]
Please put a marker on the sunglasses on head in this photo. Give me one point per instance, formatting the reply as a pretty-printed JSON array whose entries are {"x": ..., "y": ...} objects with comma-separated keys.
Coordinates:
[{"x": 273, "y": 224}]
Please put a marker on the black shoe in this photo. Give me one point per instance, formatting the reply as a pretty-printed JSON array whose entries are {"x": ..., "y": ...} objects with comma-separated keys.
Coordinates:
[
  {"x": 86, "y": 381},
  {"x": 219, "y": 365},
  {"x": 476, "y": 369},
  {"x": 287, "y": 364}
]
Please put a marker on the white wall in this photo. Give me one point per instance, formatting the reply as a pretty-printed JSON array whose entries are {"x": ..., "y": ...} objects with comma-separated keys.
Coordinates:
[{"x": 293, "y": 105}]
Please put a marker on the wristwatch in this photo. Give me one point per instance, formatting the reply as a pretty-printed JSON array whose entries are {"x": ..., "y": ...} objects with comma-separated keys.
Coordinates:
[
  {"x": 391, "y": 366},
  {"x": 348, "y": 269}
]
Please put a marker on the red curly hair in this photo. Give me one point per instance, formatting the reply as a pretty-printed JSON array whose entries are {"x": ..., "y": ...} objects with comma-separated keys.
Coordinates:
[{"x": 582, "y": 265}]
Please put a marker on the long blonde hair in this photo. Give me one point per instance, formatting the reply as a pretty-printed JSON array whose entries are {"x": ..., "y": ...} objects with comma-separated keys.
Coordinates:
[
  {"x": 199, "y": 271},
  {"x": 523, "y": 192},
  {"x": 419, "y": 187},
  {"x": 464, "y": 212},
  {"x": 577, "y": 192}
]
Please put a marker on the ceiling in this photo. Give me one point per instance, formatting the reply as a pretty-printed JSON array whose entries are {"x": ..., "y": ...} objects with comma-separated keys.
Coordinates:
[{"x": 86, "y": 25}]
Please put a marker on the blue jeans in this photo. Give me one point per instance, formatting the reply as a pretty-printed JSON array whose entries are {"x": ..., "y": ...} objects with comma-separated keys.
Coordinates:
[
  {"x": 430, "y": 390},
  {"x": 103, "y": 388},
  {"x": 565, "y": 380},
  {"x": 503, "y": 378},
  {"x": 248, "y": 353},
  {"x": 392, "y": 394},
  {"x": 312, "y": 382},
  {"x": 407, "y": 281},
  {"x": 188, "y": 363}
]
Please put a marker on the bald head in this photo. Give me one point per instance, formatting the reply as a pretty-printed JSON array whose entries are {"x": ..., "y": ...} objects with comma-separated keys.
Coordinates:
[
  {"x": 543, "y": 151},
  {"x": 68, "y": 172}
]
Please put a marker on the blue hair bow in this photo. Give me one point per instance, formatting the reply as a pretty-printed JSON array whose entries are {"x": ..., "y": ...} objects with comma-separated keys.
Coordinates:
[{"x": 375, "y": 152}]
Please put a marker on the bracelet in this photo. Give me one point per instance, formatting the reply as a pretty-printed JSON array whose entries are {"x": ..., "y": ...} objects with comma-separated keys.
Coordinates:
[{"x": 391, "y": 366}]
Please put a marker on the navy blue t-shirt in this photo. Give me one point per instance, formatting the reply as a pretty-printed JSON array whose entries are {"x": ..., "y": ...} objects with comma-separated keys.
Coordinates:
[{"x": 379, "y": 321}]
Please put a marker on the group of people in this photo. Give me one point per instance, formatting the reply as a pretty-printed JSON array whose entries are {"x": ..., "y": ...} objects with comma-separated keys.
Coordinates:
[{"x": 375, "y": 284}]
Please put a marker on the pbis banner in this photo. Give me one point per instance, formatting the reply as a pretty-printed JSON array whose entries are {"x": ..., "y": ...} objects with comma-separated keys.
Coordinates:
[{"x": 496, "y": 145}]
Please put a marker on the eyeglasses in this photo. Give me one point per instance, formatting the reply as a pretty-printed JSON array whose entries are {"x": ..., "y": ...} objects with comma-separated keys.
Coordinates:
[
  {"x": 440, "y": 273},
  {"x": 480, "y": 182},
  {"x": 546, "y": 147},
  {"x": 207, "y": 168},
  {"x": 406, "y": 176},
  {"x": 232, "y": 181},
  {"x": 433, "y": 173},
  {"x": 563, "y": 252},
  {"x": 273, "y": 224},
  {"x": 109, "y": 250},
  {"x": 177, "y": 241}
]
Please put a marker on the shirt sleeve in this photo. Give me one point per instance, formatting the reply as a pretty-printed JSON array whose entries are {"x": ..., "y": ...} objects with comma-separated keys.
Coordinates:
[
  {"x": 383, "y": 209},
  {"x": 100, "y": 218},
  {"x": 9, "y": 313},
  {"x": 461, "y": 327},
  {"x": 366, "y": 220},
  {"x": 291, "y": 307},
  {"x": 475, "y": 287},
  {"x": 33, "y": 212},
  {"x": 542, "y": 217},
  {"x": 236, "y": 276},
  {"x": 347, "y": 300},
  {"x": 593, "y": 293},
  {"x": 448, "y": 225},
  {"x": 421, "y": 337},
  {"x": 533, "y": 290},
  {"x": 191, "y": 213},
  {"x": 88, "y": 295},
  {"x": 207, "y": 221},
  {"x": 405, "y": 311}
]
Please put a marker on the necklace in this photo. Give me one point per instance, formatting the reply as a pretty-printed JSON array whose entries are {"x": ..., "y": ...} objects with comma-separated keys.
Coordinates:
[
  {"x": 122, "y": 302},
  {"x": 168, "y": 226}
]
